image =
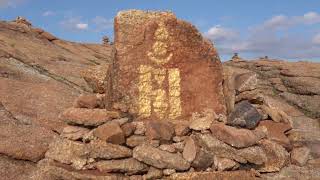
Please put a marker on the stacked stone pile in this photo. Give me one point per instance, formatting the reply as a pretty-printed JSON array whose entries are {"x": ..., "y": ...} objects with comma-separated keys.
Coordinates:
[{"x": 111, "y": 143}]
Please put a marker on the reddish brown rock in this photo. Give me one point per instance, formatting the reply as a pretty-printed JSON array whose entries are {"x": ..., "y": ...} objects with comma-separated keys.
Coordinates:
[
  {"x": 88, "y": 117},
  {"x": 253, "y": 154},
  {"x": 128, "y": 166},
  {"x": 90, "y": 101},
  {"x": 74, "y": 132},
  {"x": 128, "y": 129},
  {"x": 276, "y": 132},
  {"x": 159, "y": 61},
  {"x": 97, "y": 77},
  {"x": 160, "y": 159},
  {"x": 197, "y": 156},
  {"x": 159, "y": 130},
  {"x": 232, "y": 175},
  {"x": 48, "y": 36},
  {"x": 277, "y": 156},
  {"x": 136, "y": 140},
  {"x": 224, "y": 164},
  {"x": 110, "y": 132},
  {"x": 181, "y": 128},
  {"x": 300, "y": 155},
  {"x": 236, "y": 137}
]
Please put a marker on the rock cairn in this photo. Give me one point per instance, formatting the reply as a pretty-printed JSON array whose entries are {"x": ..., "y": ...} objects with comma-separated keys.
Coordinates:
[{"x": 108, "y": 139}]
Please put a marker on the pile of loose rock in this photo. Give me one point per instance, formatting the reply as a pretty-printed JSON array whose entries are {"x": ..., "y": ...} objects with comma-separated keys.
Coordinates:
[{"x": 110, "y": 142}]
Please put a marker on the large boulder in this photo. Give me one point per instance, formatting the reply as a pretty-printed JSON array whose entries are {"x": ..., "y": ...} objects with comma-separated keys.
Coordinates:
[{"x": 159, "y": 62}]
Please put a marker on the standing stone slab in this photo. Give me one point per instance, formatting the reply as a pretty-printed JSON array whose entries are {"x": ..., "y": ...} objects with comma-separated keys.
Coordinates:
[{"x": 164, "y": 68}]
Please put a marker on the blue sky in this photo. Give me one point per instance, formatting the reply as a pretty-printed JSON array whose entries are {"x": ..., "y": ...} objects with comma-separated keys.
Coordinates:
[{"x": 285, "y": 29}]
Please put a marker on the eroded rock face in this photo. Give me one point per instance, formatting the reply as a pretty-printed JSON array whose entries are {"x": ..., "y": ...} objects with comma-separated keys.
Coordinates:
[
  {"x": 159, "y": 61},
  {"x": 129, "y": 166}
]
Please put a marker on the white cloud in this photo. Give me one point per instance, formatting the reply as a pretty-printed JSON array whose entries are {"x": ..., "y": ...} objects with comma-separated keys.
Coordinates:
[
  {"x": 82, "y": 26},
  {"x": 218, "y": 34},
  {"x": 101, "y": 23},
  {"x": 48, "y": 13},
  {"x": 316, "y": 39},
  {"x": 275, "y": 37},
  {"x": 74, "y": 24}
]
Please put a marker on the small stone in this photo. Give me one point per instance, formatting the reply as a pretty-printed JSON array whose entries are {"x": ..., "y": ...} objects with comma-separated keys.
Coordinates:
[
  {"x": 202, "y": 121},
  {"x": 88, "y": 117},
  {"x": 110, "y": 132},
  {"x": 159, "y": 130},
  {"x": 300, "y": 156},
  {"x": 168, "y": 172},
  {"x": 246, "y": 82},
  {"x": 74, "y": 132},
  {"x": 224, "y": 164},
  {"x": 160, "y": 159},
  {"x": 235, "y": 137},
  {"x": 244, "y": 115},
  {"x": 135, "y": 140},
  {"x": 90, "y": 101},
  {"x": 153, "y": 173},
  {"x": 168, "y": 147},
  {"x": 276, "y": 132},
  {"x": 128, "y": 129},
  {"x": 129, "y": 166},
  {"x": 140, "y": 127},
  {"x": 89, "y": 137}
]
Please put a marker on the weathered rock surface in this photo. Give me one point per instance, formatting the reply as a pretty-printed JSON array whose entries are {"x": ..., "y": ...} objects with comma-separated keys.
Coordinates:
[
  {"x": 88, "y": 117},
  {"x": 224, "y": 164},
  {"x": 159, "y": 130},
  {"x": 78, "y": 154},
  {"x": 277, "y": 156},
  {"x": 199, "y": 157},
  {"x": 136, "y": 140},
  {"x": 253, "y": 154},
  {"x": 246, "y": 82},
  {"x": 90, "y": 101},
  {"x": 43, "y": 77},
  {"x": 153, "y": 173},
  {"x": 22, "y": 141},
  {"x": 157, "y": 53},
  {"x": 300, "y": 156},
  {"x": 160, "y": 159},
  {"x": 276, "y": 132},
  {"x": 244, "y": 115},
  {"x": 15, "y": 169},
  {"x": 50, "y": 170},
  {"x": 219, "y": 148},
  {"x": 237, "y": 175},
  {"x": 203, "y": 121},
  {"x": 128, "y": 166},
  {"x": 235, "y": 137},
  {"x": 74, "y": 132}
]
